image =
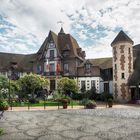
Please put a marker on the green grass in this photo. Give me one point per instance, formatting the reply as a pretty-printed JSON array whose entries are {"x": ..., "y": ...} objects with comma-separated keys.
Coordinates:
[{"x": 41, "y": 103}]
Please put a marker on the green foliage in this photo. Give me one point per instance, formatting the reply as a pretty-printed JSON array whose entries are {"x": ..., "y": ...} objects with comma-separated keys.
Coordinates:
[
  {"x": 4, "y": 87},
  {"x": 29, "y": 83},
  {"x": 3, "y": 103},
  {"x": 110, "y": 100},
  {"x": 3, "y": 82},
  {"x": 57, "y": 96},
  {"x": 66, "y": 85},
  {"x": 33, "y": 101},
  {"x": 90, "y": 103},
  {"x": 1, "y": 131},
  {"x": 84, "y": 101},
  {"x": 65, "y": 99},
  {"x": 78, "y": 96},
  {"x": 61, "y": 97}
]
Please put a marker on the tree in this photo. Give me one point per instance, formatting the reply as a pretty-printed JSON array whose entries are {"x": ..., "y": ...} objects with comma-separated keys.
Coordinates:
[
  {"x": 6, "y": 85},
  {"x": 66, "y": 86},
  {"x": 29, "y": 83},
  {"x": 3, "y": 82}
]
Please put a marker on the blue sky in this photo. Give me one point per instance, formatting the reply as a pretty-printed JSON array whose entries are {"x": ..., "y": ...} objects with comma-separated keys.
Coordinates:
[{"x": 24, "y": 24}]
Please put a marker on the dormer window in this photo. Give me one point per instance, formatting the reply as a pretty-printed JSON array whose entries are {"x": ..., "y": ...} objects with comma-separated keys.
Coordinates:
[
  {"x": 51, "y": 45},
  {"x": 66, "y": 68},
  {"x": 66, "y": 53},
  {"x": 87, "y": 68}
]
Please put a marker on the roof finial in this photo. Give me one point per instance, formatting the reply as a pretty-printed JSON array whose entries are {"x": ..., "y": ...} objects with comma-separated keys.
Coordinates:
[
  {"x": 61, "y": 30},
  {"x": 61, "y": 23}
]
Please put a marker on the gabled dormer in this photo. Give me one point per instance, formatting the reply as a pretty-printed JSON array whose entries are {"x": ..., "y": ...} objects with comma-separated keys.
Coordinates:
[{"x": 87, "y": 67}]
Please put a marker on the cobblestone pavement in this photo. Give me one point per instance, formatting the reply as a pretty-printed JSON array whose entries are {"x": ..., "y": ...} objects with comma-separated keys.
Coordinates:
[{"x": 81, "y": 124}]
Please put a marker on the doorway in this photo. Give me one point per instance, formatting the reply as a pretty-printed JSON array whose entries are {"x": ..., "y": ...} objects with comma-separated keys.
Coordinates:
[{"x": 52, "y": 85}]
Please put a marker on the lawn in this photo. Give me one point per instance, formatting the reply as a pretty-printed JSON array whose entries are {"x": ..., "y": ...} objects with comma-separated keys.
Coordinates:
[{"x": 41, "y": 103}]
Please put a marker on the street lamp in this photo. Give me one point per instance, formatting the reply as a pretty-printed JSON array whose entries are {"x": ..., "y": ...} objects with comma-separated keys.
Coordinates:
[{"x": 9, "y": 77}]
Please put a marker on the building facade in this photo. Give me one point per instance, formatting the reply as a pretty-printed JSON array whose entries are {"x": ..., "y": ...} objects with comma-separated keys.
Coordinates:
[
  {"x": 61, "y": 56},
  {"x": 122, "y": 66}
]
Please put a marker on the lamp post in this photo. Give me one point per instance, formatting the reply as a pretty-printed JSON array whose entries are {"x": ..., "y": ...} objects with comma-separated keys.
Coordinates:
[{"x": 9, "y": 100}]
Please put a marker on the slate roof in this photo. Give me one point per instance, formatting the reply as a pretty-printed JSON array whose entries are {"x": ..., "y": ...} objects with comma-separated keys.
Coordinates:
[
  {"x": 23, "y": 61},
  {"x": 122, "y": 37},
  {"x": 63, "y": 42},
  {"x": 103, "y": 63}
]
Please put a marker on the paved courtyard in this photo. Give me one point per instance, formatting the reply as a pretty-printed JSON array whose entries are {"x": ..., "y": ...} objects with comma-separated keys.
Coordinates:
[{"x": 80, "y": 124}]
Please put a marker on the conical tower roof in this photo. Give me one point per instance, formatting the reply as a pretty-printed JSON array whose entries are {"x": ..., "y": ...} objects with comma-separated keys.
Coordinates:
[{"x": 122, "y": 37}]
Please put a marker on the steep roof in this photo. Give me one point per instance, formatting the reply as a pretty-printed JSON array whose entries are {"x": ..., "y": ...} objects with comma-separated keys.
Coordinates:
[
  {"x": 103, "y": 63},
  {"x": 23, "y": 61},
  {"x": 122, "y": 37}
]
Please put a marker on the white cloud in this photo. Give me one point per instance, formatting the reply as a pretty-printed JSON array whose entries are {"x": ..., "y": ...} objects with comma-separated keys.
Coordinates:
[{"x": 33, "y": 20}]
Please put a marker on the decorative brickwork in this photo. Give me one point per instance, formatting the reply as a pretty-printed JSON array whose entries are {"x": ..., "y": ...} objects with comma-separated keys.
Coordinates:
[
  {"x": 123, "y": 90},
  {"x": 115, "y": 75},
  {"x": 115, "y": 53},
  {"x": 129, "y": 63},
  {"x": 122, "y": 62}
]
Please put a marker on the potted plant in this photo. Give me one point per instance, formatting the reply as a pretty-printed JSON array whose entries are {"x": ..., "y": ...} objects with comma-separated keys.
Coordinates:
[
  {"x": 110, "y": 102},
  {"x": 64, "y": 103},
  {"x": 65, "y": 100},
  {"x": 90, "y": 104},
  {"x": 3, "y": 105}
]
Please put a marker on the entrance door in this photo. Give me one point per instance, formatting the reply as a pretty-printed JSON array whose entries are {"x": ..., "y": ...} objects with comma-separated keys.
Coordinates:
[
  {"x": 106, "y": 87},
  {"x": 52, "y": 85},
  {"x": 133, "y": 96}
]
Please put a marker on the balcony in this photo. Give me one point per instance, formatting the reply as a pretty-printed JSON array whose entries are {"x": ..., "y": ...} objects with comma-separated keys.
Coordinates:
[{"x": 52, "y": 73}]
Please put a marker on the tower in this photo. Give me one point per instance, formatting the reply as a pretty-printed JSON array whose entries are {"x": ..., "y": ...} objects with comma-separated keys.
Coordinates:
[{"x": 122, "y": 66}]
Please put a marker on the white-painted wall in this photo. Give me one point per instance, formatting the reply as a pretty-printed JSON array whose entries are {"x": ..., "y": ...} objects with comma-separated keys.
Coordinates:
[{"x": 98, "y": 83}]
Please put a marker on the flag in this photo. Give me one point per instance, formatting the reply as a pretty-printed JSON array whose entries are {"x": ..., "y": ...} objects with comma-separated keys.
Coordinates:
[
  {"x": 58, "y": 68},
  {"x": 47, "y": 66}
]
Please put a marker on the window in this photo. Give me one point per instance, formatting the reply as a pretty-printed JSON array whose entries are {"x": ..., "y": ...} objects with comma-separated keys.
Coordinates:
[
  {"x": 51, "y": 45},
  {"x": 129, "y": 50},
  {"x": 66, "y": 53},
  {"x": 115, "y": 66},
  {"x": 87, "y": 68},
  {"x": 123, "y": 76},
  {"x": 92, "y": 83},
  {"x": 51, "y": 53},
  {"x": 106, "y": 87},
  {"x": 66, "y": 67},
  {"x": 83, "y": 85},
  {"x": 52, "y": 67}
]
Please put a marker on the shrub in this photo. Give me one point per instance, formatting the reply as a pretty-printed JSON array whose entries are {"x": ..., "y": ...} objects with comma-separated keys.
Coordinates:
[
  {"x": 78, "y": 96},
  {"x": 1, "y": 131},
  {"x": 33, "y": 101},
  {"x": 84, "y": 101},
  {"x": 3, "y": 104},
  {"x": 110, "y": 102},
  {"x": 90, "y": 104},
  {"x": 65, "y": 99}
]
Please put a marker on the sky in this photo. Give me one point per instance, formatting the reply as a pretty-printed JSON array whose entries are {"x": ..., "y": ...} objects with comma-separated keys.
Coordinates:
[{"x": 24, "y": 24}]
